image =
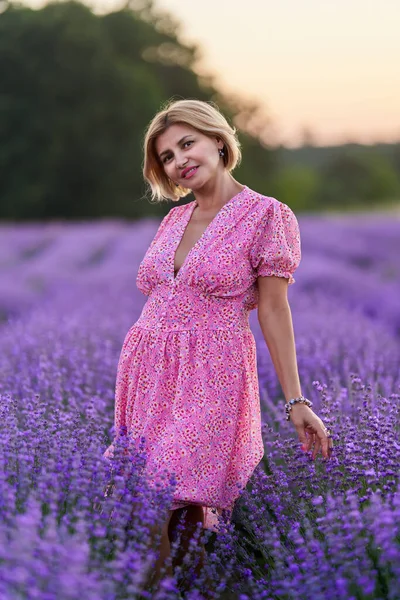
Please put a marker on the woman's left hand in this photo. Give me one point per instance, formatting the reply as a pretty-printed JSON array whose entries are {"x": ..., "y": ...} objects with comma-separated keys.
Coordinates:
[{"x": 311, "y": 430}]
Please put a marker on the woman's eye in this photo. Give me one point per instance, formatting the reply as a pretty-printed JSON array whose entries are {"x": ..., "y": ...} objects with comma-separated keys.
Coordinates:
[{"x": 184, "y": 144}]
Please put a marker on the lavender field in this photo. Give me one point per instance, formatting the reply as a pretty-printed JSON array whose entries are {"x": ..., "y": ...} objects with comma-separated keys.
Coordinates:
[{"x": 302, "y": 529}]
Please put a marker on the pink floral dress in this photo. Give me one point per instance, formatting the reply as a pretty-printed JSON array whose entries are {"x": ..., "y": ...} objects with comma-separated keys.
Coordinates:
[{"x": 187, "y": 374}]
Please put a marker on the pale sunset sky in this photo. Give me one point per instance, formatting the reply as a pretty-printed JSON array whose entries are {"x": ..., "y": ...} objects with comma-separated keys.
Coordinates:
[{"x": 331, "y": 66}]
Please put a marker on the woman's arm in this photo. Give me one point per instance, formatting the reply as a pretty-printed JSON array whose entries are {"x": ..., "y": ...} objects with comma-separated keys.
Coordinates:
[
  {"x": 275, "y": 320},
  {"x": 276, "y": 324}
]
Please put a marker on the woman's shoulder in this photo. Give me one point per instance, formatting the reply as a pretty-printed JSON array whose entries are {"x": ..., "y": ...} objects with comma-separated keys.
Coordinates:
[
  {"x": 173, "y": 214},
  {"x": 267, "y": 204},
  {"x": 177, "y": 211},
  {"x": 270, "y": 213}
]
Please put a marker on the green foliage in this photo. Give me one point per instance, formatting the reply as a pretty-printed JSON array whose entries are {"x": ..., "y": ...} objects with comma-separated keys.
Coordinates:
[
  {"x": 78, "y": 92},
  {"x": 72, "y": 125},
  {"x": 297, "y": 186},
  {"x": 357, "y": 179}
]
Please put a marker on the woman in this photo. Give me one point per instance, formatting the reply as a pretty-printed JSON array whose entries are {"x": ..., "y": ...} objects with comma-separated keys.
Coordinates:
[{"x": 187, "y": 376}]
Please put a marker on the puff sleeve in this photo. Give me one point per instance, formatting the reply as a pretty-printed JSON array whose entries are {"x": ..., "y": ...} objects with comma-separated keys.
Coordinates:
[{"x": 276, "y": 248}]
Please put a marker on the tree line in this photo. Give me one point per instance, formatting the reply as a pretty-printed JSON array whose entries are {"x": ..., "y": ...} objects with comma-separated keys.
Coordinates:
[{"x": 77, "y": 91}]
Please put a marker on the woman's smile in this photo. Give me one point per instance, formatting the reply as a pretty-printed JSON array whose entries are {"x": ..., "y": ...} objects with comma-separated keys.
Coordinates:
[{"x": 190, "y": 173}]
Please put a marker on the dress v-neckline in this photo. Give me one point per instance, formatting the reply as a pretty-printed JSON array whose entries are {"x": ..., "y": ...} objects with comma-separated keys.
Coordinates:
[{"x": 184, "y": 225}]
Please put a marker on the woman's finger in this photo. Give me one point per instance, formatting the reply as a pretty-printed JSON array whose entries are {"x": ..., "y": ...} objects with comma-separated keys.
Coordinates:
[
  {"x": 316, "y": 448},
  {"x": 309, "y": 440},
  {"x": 310, "y": 432},
  {"x": 326, "y": 441},
  {"x": 330, "y": 445}
]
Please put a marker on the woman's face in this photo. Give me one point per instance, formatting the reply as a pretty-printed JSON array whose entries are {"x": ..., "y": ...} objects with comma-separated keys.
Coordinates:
[{"x": 182, "y": 146}]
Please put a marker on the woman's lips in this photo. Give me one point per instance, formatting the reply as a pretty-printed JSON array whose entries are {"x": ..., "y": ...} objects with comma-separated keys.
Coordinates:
[{"x": 191, "y": 173}]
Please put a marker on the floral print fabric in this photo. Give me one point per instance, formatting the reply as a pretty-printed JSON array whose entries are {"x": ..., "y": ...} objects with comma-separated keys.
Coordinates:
[{"x": 187, "y": 374}]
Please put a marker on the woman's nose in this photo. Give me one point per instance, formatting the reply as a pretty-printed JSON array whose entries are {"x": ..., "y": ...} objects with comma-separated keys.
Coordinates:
[{"x": 181, "y": 162}]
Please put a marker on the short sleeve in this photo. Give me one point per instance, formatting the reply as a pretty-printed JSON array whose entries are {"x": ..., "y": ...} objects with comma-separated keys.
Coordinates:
[{"x": 276, "y": 248}]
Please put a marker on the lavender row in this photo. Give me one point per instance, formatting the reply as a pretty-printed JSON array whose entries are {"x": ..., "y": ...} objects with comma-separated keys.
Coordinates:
[{"x": 70, "y": 525}]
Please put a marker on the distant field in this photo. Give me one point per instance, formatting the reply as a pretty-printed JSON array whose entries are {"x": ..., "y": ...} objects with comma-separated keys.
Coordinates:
[
  {"x": 383, "y": 207},
  {"x": 68, "y": 297}
]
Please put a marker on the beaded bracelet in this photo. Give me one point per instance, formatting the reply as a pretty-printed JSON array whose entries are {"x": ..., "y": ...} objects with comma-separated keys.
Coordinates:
[{"x": 288, "y": 405}]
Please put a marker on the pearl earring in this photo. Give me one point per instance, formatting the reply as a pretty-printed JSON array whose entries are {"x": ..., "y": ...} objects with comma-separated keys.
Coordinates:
[{"x": 221, "y": 152}]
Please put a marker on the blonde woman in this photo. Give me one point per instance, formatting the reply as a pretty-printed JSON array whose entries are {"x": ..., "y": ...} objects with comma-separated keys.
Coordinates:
[{"x": 187, "y": 375}]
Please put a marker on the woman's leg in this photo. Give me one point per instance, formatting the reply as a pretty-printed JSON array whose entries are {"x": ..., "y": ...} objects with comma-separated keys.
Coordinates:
[
  {"x": 163, "y": 550},
  {"x": 191, "y": 514}
]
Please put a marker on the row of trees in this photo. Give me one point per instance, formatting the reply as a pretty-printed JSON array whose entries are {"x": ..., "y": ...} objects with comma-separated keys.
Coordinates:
[
  {"x": 77, "y": 91},
  {"x": 351, "y": 176}
]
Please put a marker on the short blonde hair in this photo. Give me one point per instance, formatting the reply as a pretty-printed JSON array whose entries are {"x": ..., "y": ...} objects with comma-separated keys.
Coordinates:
[{"x": 203, "y": 116}]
